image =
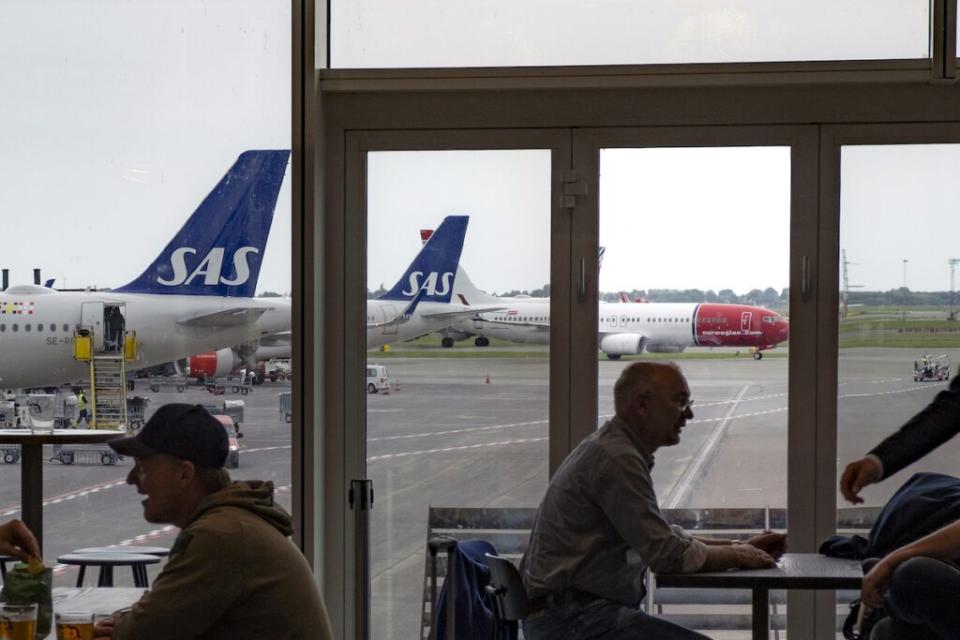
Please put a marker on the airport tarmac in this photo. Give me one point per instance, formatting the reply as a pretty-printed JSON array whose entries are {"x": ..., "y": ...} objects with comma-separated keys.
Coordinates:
[{"x": 448, "y": 438}]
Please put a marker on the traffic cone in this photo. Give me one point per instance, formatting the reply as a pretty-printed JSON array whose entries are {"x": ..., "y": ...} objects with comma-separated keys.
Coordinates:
[{"x": 487, "y": 381}]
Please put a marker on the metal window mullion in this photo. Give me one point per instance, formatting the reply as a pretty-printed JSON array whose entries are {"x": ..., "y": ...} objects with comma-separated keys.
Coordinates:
[{"x": 943, "y": 35}]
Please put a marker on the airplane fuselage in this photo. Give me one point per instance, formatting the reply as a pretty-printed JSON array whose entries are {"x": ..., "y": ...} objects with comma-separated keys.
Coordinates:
[
  {"x": 418, "y": 324},
  {"x": 653, "y": 326},
  {"x": 37, "y": 329}
]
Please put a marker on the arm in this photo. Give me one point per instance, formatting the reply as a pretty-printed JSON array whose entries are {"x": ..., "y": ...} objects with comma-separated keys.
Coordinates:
[
  {"x": 196, "y": 587},
  {"x": 935, "y": 424},
  {"x": 774, "y": 544},
  {"x": 942, "y": 544}
]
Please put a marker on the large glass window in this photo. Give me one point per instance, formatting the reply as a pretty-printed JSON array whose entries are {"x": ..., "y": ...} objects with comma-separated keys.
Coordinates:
[
  {"x": 119, "y": 122},
  {"x": 440, "y": 33},
  {"x": 458, "y": 367},
  {"x": 899, "y": 334}
]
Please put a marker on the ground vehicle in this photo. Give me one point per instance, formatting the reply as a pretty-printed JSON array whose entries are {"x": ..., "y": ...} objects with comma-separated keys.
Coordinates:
[
  {"x": 377, "y": 379},
  {"x": 233, "y": 450},
  {"x": 931, "y": 368}
]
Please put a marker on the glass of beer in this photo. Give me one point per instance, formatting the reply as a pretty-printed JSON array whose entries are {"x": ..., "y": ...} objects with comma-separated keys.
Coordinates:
[
  {"x": 74, "y": 625},
  {"x": 18, "y": 621}
]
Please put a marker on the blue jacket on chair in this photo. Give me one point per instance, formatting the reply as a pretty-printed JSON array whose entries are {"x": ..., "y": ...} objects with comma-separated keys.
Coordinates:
[
  {"x": 926, "y": 502},
  {"x": 473, "y": 612}
]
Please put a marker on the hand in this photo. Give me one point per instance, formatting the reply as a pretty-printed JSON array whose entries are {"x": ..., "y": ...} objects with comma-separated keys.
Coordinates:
[
  {"x": 16, "y": 540},
  {"x": 775, "y": 544},
  {"x": 103, "y": 628},
  {"x": 876, "y": 583},
  {"x": 750, "y": 557},
  {"x": 856, "y": 476}
]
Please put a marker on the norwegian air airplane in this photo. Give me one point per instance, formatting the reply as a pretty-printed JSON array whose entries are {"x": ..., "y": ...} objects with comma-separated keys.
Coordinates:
[
  {"x": 624, "y": 329},
  {"x": 196, "y": 296}
]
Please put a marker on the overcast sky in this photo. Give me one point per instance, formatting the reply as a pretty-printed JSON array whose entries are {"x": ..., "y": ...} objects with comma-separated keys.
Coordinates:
[{"x": 117, "y": 118}]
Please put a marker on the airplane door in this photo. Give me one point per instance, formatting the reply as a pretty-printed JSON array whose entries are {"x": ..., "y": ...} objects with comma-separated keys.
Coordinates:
[
  {"x": 745, "y": 321},
  {"x": 91, "y": 318}
]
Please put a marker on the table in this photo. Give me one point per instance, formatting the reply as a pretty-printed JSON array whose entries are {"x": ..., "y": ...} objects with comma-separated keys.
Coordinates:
[
  {"x": 793, "y": 571},
  {"x": 101, "y": 601},
  {"x": 31, "y": 465}
]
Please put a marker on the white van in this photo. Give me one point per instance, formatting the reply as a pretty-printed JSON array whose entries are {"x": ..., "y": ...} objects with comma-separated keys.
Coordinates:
[{"x": 377, "y": 379}]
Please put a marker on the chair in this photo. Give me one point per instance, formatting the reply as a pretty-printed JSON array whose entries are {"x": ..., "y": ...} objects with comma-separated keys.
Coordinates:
[{"x": 509, "y": 598}]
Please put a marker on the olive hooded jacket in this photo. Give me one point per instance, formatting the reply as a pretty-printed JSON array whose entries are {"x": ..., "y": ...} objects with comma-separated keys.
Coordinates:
[{"x": 233, "y": 573}]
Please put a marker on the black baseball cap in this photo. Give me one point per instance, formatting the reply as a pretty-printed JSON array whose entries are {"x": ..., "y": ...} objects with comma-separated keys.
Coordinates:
[{"x": 186, "y": 431}]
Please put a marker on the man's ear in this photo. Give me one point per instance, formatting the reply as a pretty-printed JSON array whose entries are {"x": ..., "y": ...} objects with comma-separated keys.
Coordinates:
[{"x": 187, "y": 472}]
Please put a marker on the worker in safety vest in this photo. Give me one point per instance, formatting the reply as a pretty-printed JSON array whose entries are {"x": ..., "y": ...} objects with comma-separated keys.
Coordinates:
[{"x": 82, "y": 406}]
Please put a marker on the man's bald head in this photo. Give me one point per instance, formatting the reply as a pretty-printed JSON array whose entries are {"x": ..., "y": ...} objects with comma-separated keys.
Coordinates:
[{"x": 641, "y": 378}]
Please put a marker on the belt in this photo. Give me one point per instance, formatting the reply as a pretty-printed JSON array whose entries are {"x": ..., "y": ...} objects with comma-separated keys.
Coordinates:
[{"x": 559, "y": 599}]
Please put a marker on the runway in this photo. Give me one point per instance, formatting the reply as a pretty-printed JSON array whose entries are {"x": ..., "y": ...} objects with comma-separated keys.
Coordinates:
[{"x": 448, "y": 438}]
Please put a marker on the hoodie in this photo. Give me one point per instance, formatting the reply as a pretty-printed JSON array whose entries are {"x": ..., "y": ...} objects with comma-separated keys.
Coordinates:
[{"x": 233, "y": 573}]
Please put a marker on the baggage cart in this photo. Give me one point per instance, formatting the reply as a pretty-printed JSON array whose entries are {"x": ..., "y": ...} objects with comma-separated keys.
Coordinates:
[
  {"x": 66, "y": 412},
  {"x": 167, "y": 383},
  {"x": 286, "y": 405},
  {"x": 101, "y": 454},
  {"x": 136, "y": 406}
]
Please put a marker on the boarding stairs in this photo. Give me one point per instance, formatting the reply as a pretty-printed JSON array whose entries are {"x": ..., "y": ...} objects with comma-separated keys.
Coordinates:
[
  {"x": 108, "y": 377},
  {"x": 108, "y": 391}
]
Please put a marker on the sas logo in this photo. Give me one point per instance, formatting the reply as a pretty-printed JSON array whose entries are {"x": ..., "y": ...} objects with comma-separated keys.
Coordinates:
[
  {"x": 210, "y": 267},
  {"x": 429, "y": 285}
]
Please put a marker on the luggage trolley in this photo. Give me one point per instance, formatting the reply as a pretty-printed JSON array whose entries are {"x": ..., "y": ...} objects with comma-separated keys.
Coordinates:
[
  {"x": 136, "y": 405},
  {"x": 286, "y": 405}
]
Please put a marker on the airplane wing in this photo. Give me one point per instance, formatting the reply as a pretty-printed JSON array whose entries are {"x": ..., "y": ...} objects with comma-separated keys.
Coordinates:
[
  {"x": 473, "y": 313},
  {"x": 226, "y": 318}
]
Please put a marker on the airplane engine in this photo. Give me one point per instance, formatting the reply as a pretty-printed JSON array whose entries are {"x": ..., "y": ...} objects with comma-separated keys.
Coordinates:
[
  {"x": 622, "y": 344},
  {"x": 212, "y": 365},
  {"x": 665, "y": 348}
]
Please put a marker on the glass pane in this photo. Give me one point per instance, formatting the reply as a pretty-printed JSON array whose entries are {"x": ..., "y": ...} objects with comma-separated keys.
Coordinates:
[
  {"x": 116, "y": 138},
  {"x": 695, "y": 271},
  {"x": 440, "y": 33},
  {"x": 457, "y": 417},
  {"x": 898, "y": 329}
]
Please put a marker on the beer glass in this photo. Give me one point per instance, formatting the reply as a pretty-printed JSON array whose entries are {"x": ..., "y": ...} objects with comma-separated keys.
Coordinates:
[
  {"x": 74, "y": 625},
  {"x": 18, "y": 621}
]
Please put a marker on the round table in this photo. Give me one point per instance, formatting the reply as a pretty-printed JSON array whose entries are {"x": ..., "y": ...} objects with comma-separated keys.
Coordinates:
[
  {"x": 107, "y": 561},
  {"x": 31, "y": 464}
]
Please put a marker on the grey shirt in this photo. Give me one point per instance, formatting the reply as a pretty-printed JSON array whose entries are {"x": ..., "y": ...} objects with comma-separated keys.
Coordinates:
[{"x": 599, "y": 525}]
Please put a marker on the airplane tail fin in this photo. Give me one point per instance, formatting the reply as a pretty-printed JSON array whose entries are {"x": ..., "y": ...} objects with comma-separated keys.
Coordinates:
[
  {"x": 467, "y": 292},
  {"x": 434, "y": 268},
  {"x": 218, "y": 252}
]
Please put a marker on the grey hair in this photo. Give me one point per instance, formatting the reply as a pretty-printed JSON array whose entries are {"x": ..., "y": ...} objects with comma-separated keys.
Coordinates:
[{"x": 639, "y": 377}]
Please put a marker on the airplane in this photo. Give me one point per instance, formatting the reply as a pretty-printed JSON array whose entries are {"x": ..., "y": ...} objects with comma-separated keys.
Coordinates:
[
  {"x": 196, "y": 296},
  {"x": 624, "y": 329},
  {"x": 419, "y": 303},
  {"x": 426, "y": 288}
]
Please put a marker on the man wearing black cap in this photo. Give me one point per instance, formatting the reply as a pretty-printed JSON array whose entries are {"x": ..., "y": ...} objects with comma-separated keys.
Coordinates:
[{"x": 232, "y": 572}]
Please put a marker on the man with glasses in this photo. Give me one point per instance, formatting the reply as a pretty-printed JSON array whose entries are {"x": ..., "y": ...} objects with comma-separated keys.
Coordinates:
[{"x": 599, "y": 526}]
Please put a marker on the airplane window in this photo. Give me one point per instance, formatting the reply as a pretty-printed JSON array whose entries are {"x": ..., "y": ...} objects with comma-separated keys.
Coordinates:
[
  {"x": 26, "y": 327},
  {"x": 39, "y": 326},
  {"x": 66, "y": 327},
  {"x": 15, "y": 327},
  {"x": 53, "y": 327},
  {"x": 3, "y": 327}
]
